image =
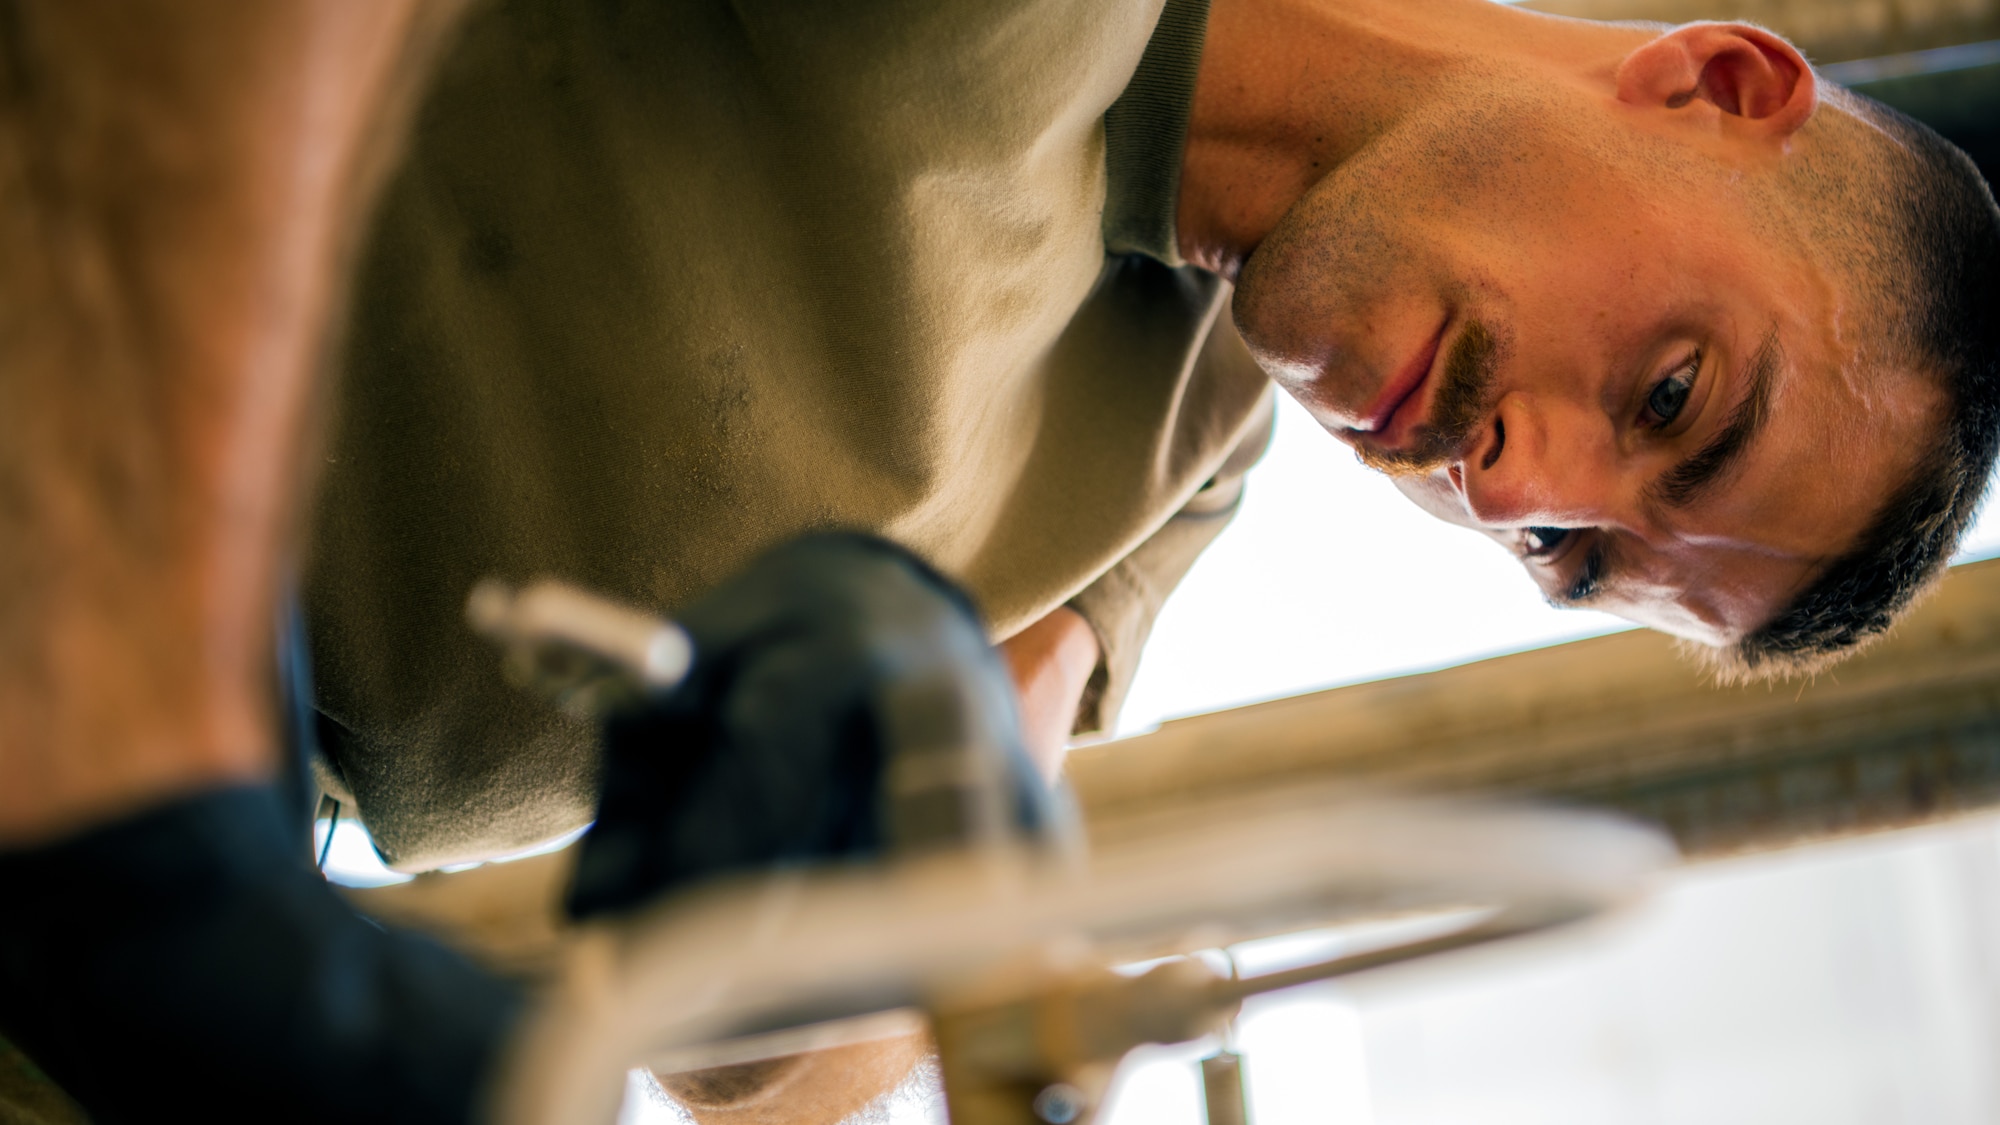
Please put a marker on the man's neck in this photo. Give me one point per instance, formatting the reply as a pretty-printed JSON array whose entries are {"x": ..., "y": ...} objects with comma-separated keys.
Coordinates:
[{"x": 1289, "y": 89}]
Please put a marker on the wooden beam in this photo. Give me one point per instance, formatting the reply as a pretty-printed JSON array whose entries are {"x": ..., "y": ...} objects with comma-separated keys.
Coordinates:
[
  {"x": 1905, "y": 733},
  {"x": 1826, "y": 30}
]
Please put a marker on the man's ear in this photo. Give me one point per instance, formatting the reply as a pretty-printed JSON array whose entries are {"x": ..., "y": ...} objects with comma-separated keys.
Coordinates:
[{"x": 1743, "y": 71}]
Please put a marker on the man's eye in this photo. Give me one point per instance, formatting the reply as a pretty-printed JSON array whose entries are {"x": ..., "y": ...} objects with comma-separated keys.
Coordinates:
[
  {"x": 1670, "y": 394},
  {"x": 1540, "y": 541}
]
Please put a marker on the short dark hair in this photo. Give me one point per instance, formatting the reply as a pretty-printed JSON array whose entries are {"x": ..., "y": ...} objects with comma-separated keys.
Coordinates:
[{"x": 1949, "y": 254}]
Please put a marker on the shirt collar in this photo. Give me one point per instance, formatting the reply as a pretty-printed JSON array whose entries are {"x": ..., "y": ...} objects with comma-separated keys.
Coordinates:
[{"x": 1144, "y": 133}]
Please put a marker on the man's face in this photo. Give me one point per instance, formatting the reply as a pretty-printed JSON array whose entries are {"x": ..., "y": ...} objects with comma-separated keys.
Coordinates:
[{"x": 1585, "y": 340}]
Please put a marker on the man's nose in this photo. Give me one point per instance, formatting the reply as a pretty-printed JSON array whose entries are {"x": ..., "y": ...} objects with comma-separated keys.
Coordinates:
[{"x": 1545, "y": 462}]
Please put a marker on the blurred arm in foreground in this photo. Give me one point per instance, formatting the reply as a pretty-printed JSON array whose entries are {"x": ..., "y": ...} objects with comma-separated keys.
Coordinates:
[{"x": 178, "y": 187}]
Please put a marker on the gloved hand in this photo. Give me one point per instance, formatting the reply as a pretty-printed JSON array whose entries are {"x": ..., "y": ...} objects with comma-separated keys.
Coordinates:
[{"x": 843, "y": 700}]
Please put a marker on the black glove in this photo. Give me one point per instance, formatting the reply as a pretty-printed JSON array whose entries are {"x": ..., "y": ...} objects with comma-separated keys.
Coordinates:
[
  {"x": 186, "y": 961},
  {"x": 843, "y": 700}
]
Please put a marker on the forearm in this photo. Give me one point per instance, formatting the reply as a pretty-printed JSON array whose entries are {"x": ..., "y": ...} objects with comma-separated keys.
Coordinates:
[
  {"x": 1051, "y": 662},
  {"x": 176, "y": 182}
]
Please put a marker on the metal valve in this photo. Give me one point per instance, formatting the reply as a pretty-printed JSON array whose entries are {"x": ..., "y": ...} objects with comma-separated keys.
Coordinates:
[{"x": 583, "y": 652}]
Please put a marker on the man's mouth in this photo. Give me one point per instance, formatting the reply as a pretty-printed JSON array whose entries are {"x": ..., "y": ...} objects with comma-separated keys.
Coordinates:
[
  {"x": 1429, "y": 412},
  {"x": 1393, "y": 418}
]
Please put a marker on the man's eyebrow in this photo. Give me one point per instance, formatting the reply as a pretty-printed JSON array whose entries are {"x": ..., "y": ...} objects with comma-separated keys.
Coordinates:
[{"x": 1684, "y": 483}]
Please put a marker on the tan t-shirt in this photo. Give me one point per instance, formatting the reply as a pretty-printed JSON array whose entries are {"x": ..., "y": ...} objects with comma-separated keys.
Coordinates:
[{"x": 663, "y": 284}]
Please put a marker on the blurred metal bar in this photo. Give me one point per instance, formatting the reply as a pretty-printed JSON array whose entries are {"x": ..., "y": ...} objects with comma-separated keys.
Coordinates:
[
  {"x": 1827, "y": 30},
  {"x": 1908, "y": 732}
]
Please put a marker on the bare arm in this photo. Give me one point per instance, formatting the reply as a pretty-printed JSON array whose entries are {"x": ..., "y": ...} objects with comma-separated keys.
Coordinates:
[
  {"x": 1051, "y": 662},
  {"x": 177, "y": 185}
]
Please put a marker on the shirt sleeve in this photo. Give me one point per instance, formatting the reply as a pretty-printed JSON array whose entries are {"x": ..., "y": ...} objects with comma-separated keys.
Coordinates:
[{"x": 1122, "y": 605}]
